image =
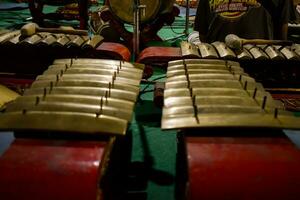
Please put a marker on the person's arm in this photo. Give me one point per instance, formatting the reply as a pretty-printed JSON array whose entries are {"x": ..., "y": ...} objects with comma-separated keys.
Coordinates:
[
  {"x": 201, "y": 19},
  {"x": 290, "y": 11},
  {"x": 285, "y": 11},
  {"x": 284, "y": 31},
  {"x": 280, "y": 13}
]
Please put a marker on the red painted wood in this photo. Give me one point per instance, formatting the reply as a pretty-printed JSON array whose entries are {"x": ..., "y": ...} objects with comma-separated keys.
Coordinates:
[
  {"x": 16, "y": 84},
  {"x": 51, "y": 169},
  {"x": 242, "y": 168},
  {"x": 162, "y": 55},
  {"x": 113, "y": 51}
]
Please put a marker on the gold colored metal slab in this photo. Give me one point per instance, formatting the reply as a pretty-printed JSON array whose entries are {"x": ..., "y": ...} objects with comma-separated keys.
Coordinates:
[
  {"x": 97, "y": 66},
  {"x": 209, "y": 92},
  {"x": 178, "y": 101},
  {"x": 224, "y": 96},
  {"x": 273, "y": 53},
  {"x": 243, "y": 54},
  {"x": 256, "y": 52},
  {"x": 7, "y": 36},
  {"x": 61, "y": 41},
  {"x": 85, "y": 83},
  {"x": 223, "y": 51},
  {"x": 219, "y": 91},
  {"x": 248, "y": 120},
  {"x": 84, "y": 99},
  {"x": 203, "y": 61},
  {"x": 205, "y": 66},
  {"x": 188, "y": 49},
  {"x": 207, "y": 51},
  {"x": 296, "y": 48},
  {"x": 93, "y": 77},
  {"x": 13, "y": 41},
  {"x": 222, "y": 76},
  {"x": 175, "y": 73},
  {"x": 99, "y": 71},
  {"x": 6, "y": 95},
  {"x": 68, "y": 122},
  {"x": 70, "y": 107},
  {"x": 225, "y": 100},
  {"x": 83, "y": 61},
  {"x": 31, "y": 40},
  {"x": 176, "y": 84},
  {"x": 90, "y": 91},
  {"x": 180, "y": 111},
  {"x": 289, "y": 54},
  {"x": 34, "y": 39},
  {"x": 217, "y": 83},
  {"x": 195, "y": 72},
  {"x": 47, "y": 41},
  {"x": 178, "y": 92},
  {"x": 77, "y": 41},
  {"x": 93, "y": 42}
]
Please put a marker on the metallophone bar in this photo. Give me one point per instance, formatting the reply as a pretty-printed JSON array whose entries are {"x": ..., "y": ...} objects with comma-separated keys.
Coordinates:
[
  {"x": 61, "y": 82},
  {"x": 58, "y": 117},
  {"x": 225, "y": 143},
  {"x": 279, "y": 62},
  {"x": 276, "y": 67},
  {"x": 221, "y": 51},
  {"x": 218, "y": 50},
  {"x": 35, "y": 53},
  {"x": 219, "y": 94}
]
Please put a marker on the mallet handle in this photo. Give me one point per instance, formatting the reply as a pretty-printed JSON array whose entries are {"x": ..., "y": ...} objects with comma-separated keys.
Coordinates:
[
  {"x": 267, "y": 42},
  {"x": 65, "y": 31}
]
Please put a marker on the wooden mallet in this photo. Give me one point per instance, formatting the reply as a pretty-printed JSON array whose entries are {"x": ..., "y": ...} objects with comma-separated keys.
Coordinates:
[
  {"x": 32, "y": 28},
  {"x": 235, "y": 42}
]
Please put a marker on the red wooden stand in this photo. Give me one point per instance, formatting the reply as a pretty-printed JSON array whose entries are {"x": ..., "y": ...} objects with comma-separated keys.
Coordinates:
[
  {"x": 51, "y": 169},
  {"x": 242, "y": 168}
]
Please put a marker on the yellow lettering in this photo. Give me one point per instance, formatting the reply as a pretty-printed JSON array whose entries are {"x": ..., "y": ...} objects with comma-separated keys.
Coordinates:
[{"x": 215, "y": 3}]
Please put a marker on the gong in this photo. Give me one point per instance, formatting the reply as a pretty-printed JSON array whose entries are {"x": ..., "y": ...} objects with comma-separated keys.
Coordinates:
[{"x": 124, "y": 9}]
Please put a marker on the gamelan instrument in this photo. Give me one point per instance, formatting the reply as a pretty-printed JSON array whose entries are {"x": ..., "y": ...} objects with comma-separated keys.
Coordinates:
[
  {"x": 219, "y": 50},
  {"x": 33, "y": 28},
  {"x": 66, "y": 127},
  {"x": 56, "y": 41},
  {"x": 235, "y": 42},
  {"x": 154, "y": 14},
  {"x": 275, "y": 66},
  {"x": 27, "y": 57},
  {"x": 233, "y": 137},
  {"x": 216, "y": 93}
]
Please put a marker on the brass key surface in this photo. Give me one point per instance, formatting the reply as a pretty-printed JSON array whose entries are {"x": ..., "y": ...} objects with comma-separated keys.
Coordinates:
[{"x": 196, "y": 99}]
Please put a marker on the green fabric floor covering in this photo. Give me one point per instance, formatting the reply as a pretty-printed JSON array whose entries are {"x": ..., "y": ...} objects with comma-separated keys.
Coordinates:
[
  {"x": 161, "y": 147},
  {"x": 148, "y": 140}
]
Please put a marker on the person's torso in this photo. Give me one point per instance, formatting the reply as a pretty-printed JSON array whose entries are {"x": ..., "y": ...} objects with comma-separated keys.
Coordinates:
[{"x": 245, "y": 18}]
